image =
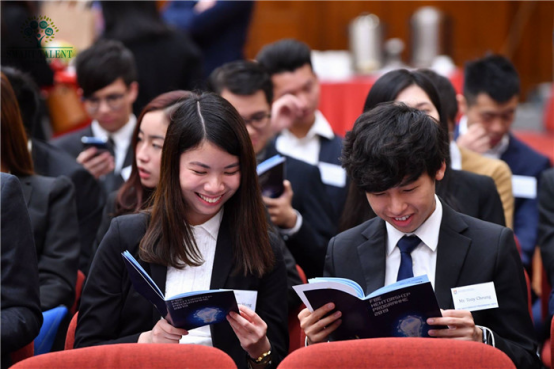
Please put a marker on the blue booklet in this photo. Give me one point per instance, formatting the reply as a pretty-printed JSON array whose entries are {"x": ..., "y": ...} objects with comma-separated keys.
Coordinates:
[
  {"x": 187, "y": 310},
  {"x": 271, "y": 174},
  {"x": 400, "y": 309}
]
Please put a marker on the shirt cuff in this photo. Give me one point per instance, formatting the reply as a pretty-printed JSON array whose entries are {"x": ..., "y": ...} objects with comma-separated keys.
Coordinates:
[{"x": 291, "y": 231}]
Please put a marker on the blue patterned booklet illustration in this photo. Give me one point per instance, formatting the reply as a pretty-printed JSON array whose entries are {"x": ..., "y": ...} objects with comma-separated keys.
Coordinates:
[
  {"x": 187, "y": 310},
  {"x": 400, "y": 309},
  {"x": 271, "y": 174}
]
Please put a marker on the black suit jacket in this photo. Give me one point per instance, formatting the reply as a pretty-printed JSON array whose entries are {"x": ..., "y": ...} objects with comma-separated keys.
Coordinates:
[
  {"x": 71, "y": 143},
  {"x": 469, "y": 251},
  {"x": 309, "y": 244},
  {"x": 546, "y": 226},
  {"x": 50, "y": 161},
  {"x": 111, "y": 311},
  {"x": 51, "y": 206},
  {"x": 330, "y": 152},
  {"x": 20, "y": 311}
]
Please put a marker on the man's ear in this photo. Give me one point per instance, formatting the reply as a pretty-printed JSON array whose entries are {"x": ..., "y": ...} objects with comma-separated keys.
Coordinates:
[
  {"x": 440, "y": 173},
  {"x": 462, "y": 103},
  {"x": 133, "y": 91}
]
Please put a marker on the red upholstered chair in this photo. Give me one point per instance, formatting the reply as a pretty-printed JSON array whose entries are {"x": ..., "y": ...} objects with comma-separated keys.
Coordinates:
[
  {"x": 398, "y": 353},
  {"x": 296, "y": 334},
  {"x": 78, "y": 289},
  {"x": 23, "y": 353},
  {"x": 70, "y": 336},
  {"x": 132, "y": 356}
]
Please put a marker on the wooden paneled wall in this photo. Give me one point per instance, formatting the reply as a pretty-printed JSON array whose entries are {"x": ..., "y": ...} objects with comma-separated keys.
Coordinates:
[{"x": 521, "y": 30}]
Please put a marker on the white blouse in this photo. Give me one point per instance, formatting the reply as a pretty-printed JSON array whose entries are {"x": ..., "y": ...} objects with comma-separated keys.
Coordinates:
[{"x": 197, "y": 278}]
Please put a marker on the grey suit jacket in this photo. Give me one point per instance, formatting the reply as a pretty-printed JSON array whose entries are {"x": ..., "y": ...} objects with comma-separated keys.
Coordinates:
[{"x": 470, "y": 251}]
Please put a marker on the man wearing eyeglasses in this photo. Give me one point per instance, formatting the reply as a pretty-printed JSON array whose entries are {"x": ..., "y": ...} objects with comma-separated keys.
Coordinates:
[
  {"x": 106, "y": 74},
  {"x": 302, "y": 213}
]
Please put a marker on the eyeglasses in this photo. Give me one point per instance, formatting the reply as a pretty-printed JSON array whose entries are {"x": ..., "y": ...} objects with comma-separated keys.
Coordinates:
[
  {"x": 258, "y": 121},
  {"x": 114, "y": 101}
]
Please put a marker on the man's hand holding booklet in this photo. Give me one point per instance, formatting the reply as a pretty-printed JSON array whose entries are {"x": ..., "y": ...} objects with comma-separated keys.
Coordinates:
[{"x": 397, "y": 310}]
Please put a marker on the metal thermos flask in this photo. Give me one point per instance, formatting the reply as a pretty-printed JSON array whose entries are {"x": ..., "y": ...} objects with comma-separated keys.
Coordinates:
[
  {"x": 429, "y": 33},
  {"x": 366, "y": 42}
]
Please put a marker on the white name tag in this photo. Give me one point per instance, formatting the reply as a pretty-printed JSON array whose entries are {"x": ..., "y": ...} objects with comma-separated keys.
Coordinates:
[
  {"x": 332, "y": 174},
  {"x": 247, "y": 298},
  {"x": 475, "y": 297},
  {"x": 524, "y": 187}
]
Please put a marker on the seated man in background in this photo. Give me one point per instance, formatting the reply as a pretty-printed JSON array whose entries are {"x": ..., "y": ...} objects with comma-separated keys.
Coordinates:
[
  {"x": 50, "y": 161},
  {"x": 21, "y": 314},
  {"x": 106, "y": 75},
  {"x": 546, "y": 229},
  {"x": 464, "y": 159},
  {"x": 302, "y": 214},
  {"x": 491, "y": 95},
  {"x": 309, "y": 137},
  {"x": 398, "y": 173}
]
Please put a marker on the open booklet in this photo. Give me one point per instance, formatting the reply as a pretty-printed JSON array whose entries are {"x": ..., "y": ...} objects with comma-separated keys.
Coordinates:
[
  {"x": 271, "y": 174},
  {"x": 187, "y": 310},
  {"x": 400, "y": 309}
]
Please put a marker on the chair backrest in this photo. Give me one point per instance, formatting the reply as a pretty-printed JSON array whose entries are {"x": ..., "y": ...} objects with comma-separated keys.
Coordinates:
[
  {"x": 133, "y": 356},
  {"x": 398, "y": 353},
  {"x": 78, "y": 289},
  {"x": 70, "y": 336},
  {"x": 23, "y": 353}
]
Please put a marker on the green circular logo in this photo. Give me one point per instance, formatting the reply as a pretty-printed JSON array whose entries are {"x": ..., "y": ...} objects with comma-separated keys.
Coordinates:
[
  {"x": 28, "y": 32},
  {"x": 49, "y": 31},
  {"x": 34, "y": 24},
  {"x": 43, "y": 24}
]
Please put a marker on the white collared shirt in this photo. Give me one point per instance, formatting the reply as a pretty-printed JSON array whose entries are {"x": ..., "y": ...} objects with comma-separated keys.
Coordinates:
[
  {"x": 455, "y": 156},
  {"x": 495, "y": 152},
  {"x": 306, "y": 148},
  {"x": 424, "y": 256},
  {"x": 122, "y": 139},
  {"x": 197, "y": 278}
]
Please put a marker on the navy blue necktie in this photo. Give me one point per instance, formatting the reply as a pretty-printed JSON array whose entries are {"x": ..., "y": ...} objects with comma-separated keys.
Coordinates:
[{"x": 407, "y": 244}]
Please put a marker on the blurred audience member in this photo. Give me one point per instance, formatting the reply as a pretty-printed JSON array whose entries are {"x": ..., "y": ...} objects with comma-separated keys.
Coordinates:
[
  {"x": 491, "y": 95},
  {"x": 166, "y": 59},
  {"x": 106, "y": 74},
  {"x": 309, "y": 137},
  {"x": 51, "y": 206},
  {"x": 546, "y": 228},
  {"x": 21, "y": 314},
  {"x": 219, "y": 28},
  {"x": 51, "y": 161}
]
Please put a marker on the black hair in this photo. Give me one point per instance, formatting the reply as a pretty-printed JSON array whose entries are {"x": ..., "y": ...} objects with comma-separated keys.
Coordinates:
[
  {"x": 130, "y": 21},
  {"x": 393, "y": 145},
  {"x": 447, "y": 94},
  {"x": 493, "y": 75},
  {"x": 27, "y": 94},
  {"x": 102, "y": 64},
  {"x": 243, "y": 78},
  {"x": 284, "y": 56}
]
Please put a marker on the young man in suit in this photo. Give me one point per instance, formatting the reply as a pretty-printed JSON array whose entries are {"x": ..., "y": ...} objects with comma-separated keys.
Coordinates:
[
  {"x": 308, "y": 137},
  {"x": 51, "y": 161},
  {"x": 106, "y": 75},
  {"x": 396, "y": 154},
  {"x": 491, "y": 95},
  {"x": 302, "y": 213}
]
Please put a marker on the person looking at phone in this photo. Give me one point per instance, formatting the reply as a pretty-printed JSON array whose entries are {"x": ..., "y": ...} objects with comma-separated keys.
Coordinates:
[{"x": 107, "y": 78}]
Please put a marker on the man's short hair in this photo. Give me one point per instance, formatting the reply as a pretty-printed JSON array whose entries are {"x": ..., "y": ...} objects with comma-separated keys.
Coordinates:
[
  {"x": 102, "y": 64},
  {"x": 446, "y": 92},
  {"x": 242, "y": 77},
  {"x": 493, "y": 75},
  {"x": 393, "y": 145},
  {"x": 284, "y": 56}
]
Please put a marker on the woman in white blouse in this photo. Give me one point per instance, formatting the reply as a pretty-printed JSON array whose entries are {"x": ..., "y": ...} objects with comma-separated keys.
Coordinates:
[{"x": 207, "y": 229}]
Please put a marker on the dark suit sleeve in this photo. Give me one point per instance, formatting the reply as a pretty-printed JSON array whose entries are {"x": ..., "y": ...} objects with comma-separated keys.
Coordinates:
[
  {"x": 103, "y": 299},
  {"x": 309, "y": 244},
  {"x": 107, "y": 216},
  {"x": 21, "y": 314},
  {"x": 546, "y": 223},
  {"x": 490, "y": 205},
  {"x": 57, "y": 264},
  {"x": 511, "y": 323}
]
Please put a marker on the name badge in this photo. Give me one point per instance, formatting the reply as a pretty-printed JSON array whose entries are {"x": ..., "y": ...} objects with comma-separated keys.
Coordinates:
[
  {"x": 475, "y": 297},
  {"x": 524, "y": 186},
  {"x": 332, "y": 174}
]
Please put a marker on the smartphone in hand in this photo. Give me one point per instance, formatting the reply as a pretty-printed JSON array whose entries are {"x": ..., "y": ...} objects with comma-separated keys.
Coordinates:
[{"x": 100, "y": 144}]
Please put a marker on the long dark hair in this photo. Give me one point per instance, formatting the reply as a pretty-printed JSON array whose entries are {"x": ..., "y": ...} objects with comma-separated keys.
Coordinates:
[
  {"x": 14, "y": 151},
  {"x": 385, "y": 89},
  {"x": 169, "y": 240},
  {"x": 133, "y": 196}
]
